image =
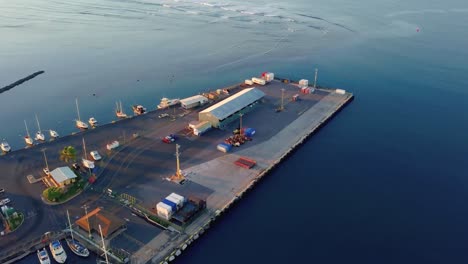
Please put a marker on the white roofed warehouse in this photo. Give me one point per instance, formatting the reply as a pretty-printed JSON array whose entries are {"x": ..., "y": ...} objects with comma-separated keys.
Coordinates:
[
  {"x": 63, "y": 176},
  {"x": 193, "y": 101},
  {"x": 228, "y": 110}
]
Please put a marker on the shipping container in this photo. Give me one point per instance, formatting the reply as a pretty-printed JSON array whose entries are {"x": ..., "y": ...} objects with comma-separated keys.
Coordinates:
[
  {"x": 249, "y": 132},
  {"x": 223, "y": 147},
  {"x": 172, "y": 204},
  {"x": 340, "y": 91},
  {"x": 178, "y": 199},
  {"x": 249, "y": 82},
  {"x": 178, "y": 203},
  {"x": 269, "y": 76},
  {"x": 164, "y": 210},
  {"x": 304, "y": 90},
  {"x": 303, "y": 83},
  {"x": 258, "y": 81}
]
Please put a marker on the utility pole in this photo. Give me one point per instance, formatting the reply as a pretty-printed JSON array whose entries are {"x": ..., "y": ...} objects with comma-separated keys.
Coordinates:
[
  {"x": 178, "y": 174},
  {"x": 315, "y": 80}
]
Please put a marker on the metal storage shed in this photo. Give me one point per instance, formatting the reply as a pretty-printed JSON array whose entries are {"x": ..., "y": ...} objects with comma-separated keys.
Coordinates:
[{"x": 215, "y": 114}]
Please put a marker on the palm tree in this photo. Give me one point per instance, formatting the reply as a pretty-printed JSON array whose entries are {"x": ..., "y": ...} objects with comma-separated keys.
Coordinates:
[{"x": 68, "y": 154}]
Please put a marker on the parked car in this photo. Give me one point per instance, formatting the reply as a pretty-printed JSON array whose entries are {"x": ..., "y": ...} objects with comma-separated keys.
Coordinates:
[
  {"x": 163, "y": 115},
  {"x": 169, "y": 139},
  {"x": 46, "y": 171},
  {"x": 4, "y": 201},
  {"x": 95, "y": 155},
  {"x": 2, "y": 190}
]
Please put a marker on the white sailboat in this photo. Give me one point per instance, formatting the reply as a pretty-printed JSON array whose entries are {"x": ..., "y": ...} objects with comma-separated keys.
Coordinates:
[
  {"x": 39, "y": 135},
  {"x": 43, "y": 256},
  {"x": 53, "y": 133},
  {"x": 85, "y": 161},
  {"x": 92, "y": 121},
  {"x": 5, "y": 146},
  {"x": 75, "y": 246},
  {"x": 79, "y": 124},
  {"x": 119, "y": 111},
  {"x": 27, "y": 138},
  {"x": 57, "y": 251}
]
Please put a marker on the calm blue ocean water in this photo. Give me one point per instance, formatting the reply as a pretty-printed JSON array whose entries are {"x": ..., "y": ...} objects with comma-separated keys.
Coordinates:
[{"x": 384, "y": 182}]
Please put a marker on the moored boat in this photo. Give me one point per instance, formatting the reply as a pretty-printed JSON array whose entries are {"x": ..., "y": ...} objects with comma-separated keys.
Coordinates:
[
  {"x": 79, "y": 124},
  {"x": 75, "y": 246},
  {"x": 119, "y": 111},
  {"x": 92, "y": 121},
  {"x": 53, "y": 133},
  {"x": 57, "y": 251},
  {"x": 5, "y": 146},
  {"x": 138, "y": 109},
  {"x": 166, "y": 102},
  {"x": 43, "y": 256},
  {"x": 27, "y": 138},
  {"x": 39, "y": 135}
]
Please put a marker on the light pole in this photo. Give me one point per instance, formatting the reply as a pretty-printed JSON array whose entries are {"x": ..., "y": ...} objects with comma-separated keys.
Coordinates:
[{"x": 240, "y": 125}]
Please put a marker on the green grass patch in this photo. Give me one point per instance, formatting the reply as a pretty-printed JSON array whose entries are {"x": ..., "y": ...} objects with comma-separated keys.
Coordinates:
[
  {"x": 15, "y": 222},
  {"x": 57, "y": 195}
]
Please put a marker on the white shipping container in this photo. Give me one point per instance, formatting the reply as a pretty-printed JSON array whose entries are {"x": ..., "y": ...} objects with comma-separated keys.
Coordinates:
[
  {"x": 269, "y": 76},
  {"x": 258, "y": 81},
  {"x": 340, "y": 91},
  {"x": 200, "y": 131},
  {"x": 164, "y": 210},
  {"x": 178, "y": 197},
  {"x": 178, "y": 202},
  {"x": 249, "y": 82},
  {"x": 304, "y": 82}
]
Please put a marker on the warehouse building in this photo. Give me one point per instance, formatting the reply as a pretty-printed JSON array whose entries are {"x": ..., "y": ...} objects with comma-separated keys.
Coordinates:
[
  {"x": 193, "y": 101},
  {"x": 228, "y": 110}
]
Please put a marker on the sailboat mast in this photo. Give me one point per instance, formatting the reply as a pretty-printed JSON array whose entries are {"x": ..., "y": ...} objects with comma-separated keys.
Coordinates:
[
  {"x": 103, "y": 245},
  {"x": 69, "y": 224},
  {"x": 38, "y": 125},
  {"x": 84, "y": 150},
  {"x": 77, "y": 109},
  {"x": 26, "y": 125}
]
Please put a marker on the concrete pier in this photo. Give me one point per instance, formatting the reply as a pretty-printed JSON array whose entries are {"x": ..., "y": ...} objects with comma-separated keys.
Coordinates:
[{"x": 139, "y": 168}]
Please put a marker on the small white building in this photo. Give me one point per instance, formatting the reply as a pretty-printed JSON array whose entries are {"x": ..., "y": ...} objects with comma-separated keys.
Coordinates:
[
  {"x": 193, "y": 101},
  {"x": 63, "y": 176}
]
